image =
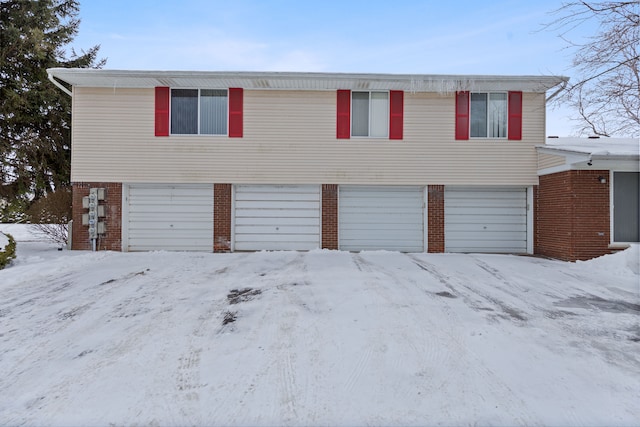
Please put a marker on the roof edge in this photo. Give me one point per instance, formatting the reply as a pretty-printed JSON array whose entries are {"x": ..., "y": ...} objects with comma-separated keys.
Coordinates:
[{"x": 88, "y": 77}]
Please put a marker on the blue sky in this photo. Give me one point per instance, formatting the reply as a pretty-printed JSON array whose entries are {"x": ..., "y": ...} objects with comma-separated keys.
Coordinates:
[{"x": 400, "y": 36}]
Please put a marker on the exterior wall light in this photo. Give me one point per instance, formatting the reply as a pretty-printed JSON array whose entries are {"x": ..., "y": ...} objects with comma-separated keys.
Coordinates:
[{"x": 602, "y": 179}]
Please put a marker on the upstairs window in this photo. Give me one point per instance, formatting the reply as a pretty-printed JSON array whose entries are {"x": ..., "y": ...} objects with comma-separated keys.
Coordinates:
[
  {"x": 370, "y": 114},
  {"x": 488, "y": 115},
  {"x": 199, "y": 111}
]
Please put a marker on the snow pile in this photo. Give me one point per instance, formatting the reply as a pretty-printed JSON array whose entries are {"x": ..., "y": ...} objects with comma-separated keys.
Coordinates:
[
  {"x": 622, "y": 263},
  {"x": 20, "y": 232},
  {"x": 4, "y": 241}
]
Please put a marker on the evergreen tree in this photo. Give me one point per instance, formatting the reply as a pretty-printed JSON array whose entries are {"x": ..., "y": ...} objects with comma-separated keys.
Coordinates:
[{"x": 35, "y": 116}]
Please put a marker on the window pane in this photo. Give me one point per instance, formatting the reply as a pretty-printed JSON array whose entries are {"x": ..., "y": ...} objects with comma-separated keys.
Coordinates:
[
  {"x": 497, "y": 115},
  {"x": 626, "y": 206},
  {"x": 184, "y": 111},
  {"x": 379, "y": 114},
  {"x": 478, "y": 115},
  {"x": 213, "y": 112},
  {"x": 360, "y": 113}
]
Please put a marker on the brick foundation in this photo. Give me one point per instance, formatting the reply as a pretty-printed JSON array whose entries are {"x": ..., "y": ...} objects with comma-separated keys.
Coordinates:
[
  {"x": 435, "y": 218},
  {"x": 572, "y": 219},
  {"x": 329, "y": 216},
  {"x": 222, "y": 217},
  {"x": 112, "y": 240}
]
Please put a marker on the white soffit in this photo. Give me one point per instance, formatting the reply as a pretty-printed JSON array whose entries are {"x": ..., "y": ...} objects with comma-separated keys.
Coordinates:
[{"x": 83, "y": 77}]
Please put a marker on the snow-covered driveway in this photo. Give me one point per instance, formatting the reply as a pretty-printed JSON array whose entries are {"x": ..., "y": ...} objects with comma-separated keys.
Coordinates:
[{"x": 321, "y": 338}]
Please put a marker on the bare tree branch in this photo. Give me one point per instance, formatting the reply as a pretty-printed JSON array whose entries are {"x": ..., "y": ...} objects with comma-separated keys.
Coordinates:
[{"x": 606, "y": 88}]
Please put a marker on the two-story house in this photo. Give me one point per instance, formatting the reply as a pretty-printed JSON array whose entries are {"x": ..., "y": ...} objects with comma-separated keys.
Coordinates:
[{"x": 242, "y": 161}]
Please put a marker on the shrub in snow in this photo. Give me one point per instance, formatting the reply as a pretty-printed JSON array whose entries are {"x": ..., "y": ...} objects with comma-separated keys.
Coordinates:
[
  {"x": 8, "y": 252},
  {"x": 56, "y": 233}
]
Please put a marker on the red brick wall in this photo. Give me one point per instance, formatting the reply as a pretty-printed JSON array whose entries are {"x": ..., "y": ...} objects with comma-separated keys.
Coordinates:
[
  {"x": 221, "y": 217},
  {"x": 330, "y": 216},
  {"x": 591, "y": 230},
  {"x": 572, "y": 215},
  {"x": 112, "y": 240},
  {"x": 435, "y": 218}
]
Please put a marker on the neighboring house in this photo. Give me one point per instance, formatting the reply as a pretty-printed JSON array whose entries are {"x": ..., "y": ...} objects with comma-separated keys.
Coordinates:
[
  {"x": 268, "y": 161},
  {"x": 588, "y": 197}
]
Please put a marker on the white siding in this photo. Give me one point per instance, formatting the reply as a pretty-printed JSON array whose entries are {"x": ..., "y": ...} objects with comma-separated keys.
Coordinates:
[
  {"x": 485, "y": 219},
  {"x": 277, "y": 217},
  {"x": 290, "y": 137},
  {"x": 169, "y": 217},
  {"x": 373, "y": 218},
  {"x": 549, "y": 160}
]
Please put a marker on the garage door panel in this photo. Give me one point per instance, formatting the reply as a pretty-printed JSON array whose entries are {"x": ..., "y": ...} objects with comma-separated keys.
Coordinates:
[
  {"x": 485, "y": 219},
  {"x": 486, "y": 210},
  {"x": 373, "y": 218},
  {"x": 388, "y": 245},
  {"x": 278, "y": 230},
  {"x": 277, "y": 221},
  {"x": 496, "y": 236},
  {"x": 171, "y": 236},
  {"x": 275, "y": 245},
  {"x": 488, "y": 203},
  {"x": 351, "y": 200},
  {"x": 278, "y": 205},
  {"x": 277, "y": 217},
  {"x": 390, "y": 235},
  {"x": 276, "y": 213},
  {"x": 274, "y": 237},
  {"x": 168, "y": 226},
  {"x": 170, "y": 217},
  {"x": 278, "y": 197},
  {"x": 400, "y": 226},
  {"x": 496, "y": 227}
]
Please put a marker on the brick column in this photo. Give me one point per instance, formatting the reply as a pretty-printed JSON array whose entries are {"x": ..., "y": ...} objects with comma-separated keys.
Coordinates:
[
  {"x": 591, "y": 214},
  {"x": 329, "y": 216},
  {"x": 112, "y": 239},
  {"x": 572, "y": 219},
  {"x": 221, "y": 217},
  {"x": 435, "y": 218}
]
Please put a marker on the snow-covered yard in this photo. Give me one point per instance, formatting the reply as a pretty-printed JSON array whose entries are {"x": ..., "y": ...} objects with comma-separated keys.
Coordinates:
[{"x": 322, "y": 338}]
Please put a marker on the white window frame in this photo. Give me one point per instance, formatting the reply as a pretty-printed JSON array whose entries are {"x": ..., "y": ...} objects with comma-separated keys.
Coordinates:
[
  {"x": 368, "y": 136},
  {"x": 198, "y": 112},
  {"x": 506, "y": 128},
  {"x": 612, "y": 207}
]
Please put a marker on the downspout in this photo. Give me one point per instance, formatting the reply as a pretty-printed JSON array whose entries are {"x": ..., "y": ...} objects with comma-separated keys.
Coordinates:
[
  {"x": 59, "y": 85},
  {"x": 563, "y": 87}
]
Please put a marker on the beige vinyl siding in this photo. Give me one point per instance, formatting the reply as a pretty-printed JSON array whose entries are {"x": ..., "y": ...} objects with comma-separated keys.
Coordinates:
[
  {"x": 549, "y": 161},
  {"x": 290, "y": 137}
]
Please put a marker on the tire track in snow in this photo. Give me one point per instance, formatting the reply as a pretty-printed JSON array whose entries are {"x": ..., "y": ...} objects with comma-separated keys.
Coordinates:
[
  {"x": 359, "y": 369},
  {"x": 468, "y": 292},
  {"x": 277, "y": 366},
  {"x": 426, "y": 350},
  {"x": 515, "y": 406}
]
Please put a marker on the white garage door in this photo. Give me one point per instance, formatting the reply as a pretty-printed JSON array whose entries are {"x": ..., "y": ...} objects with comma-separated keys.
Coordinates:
[
  {"x": 487, "y": 219},
  {"x": 170, "y": 217},
  {"x": 277, "y": 217},
  {"x": 390, "y": 218}
]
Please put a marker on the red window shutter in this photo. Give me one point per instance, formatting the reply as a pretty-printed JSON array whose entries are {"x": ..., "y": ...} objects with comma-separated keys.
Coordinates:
[
  {"x": 396, "y": 114},
  {"x": 162, "y": 111},
  {"x": 235, "y": 112},
  {"x": 343, "y": 122},
  {"x": 462, "y": 115},
  {"x": 515, "y": 115}
]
